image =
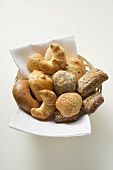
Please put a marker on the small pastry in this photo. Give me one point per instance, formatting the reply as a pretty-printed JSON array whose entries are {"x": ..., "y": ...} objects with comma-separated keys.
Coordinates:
[
  {"x": 57, "y": 61},
  {"x": 47, "y": 108}
]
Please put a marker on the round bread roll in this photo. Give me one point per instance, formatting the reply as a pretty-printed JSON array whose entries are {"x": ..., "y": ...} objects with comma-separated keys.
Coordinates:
[
  {"x": 23, "y": 97},
  {"x": 75, "y": 66},
  {"x": 33, "y": 62},
  {"x": 40, "y": 81},
  {"x": 64, "y": 81},
  {"x": 69, "y": 104}
]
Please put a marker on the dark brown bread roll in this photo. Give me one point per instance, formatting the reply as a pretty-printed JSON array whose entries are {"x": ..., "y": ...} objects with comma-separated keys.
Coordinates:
[
  {"x": 60, "y": 119},
  {"x": 90, "y": 81},
  {"x": 92, "y": 102}
]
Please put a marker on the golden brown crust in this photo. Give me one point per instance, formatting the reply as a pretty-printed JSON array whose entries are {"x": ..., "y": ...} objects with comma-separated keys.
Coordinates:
[
  {"x": 69, "y": 104},
  {"x": 75, "y": 66},
  {"x": 47, "y": 109},
  {"x": 48, "y": 54},
  {"x": 57, "y": 61},
  {"x": 39, "y": 81},
  {"x": 33, "y": 61},
  {"x": 22, "y": 95}
]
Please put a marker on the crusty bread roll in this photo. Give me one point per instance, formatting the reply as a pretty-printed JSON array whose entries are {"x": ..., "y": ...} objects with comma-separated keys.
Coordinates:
[
  {"x": 23, "y": 97},
  {"x": 40, "y": 81},
  {"x": 75, "y": 66},
  {"x": 32, "y": 62},
  {"x": 69, "y": 104}
]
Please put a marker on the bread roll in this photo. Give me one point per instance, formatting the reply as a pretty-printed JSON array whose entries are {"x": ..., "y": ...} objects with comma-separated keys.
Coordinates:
[
  {"x": 40, "y": 81},
  {"x": 33, "y": 61},
  {"x": 64, "y": 81},
  {"x": 23, "y": 97},
  {"x": 90, "y": 81},
  {"x": 69, "y": 104},
  {"x": 75, "y": 66}
]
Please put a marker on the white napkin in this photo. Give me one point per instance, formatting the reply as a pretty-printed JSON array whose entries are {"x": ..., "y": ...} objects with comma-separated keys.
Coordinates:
[
  {"x": 21, "y": 53},
  {"x": 24, "y": 122}
]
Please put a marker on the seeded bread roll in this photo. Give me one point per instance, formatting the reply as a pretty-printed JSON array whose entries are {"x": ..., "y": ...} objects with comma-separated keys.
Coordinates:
[
  {"x": 69, "y": 104},
  {"x": 92, "y": 102},
  {"x": 90, "y": 81},
  {"x": 64, "y": 81}
]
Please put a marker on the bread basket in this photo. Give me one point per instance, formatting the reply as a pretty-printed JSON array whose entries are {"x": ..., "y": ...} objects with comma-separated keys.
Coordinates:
[{"x": 25, "y": 122}]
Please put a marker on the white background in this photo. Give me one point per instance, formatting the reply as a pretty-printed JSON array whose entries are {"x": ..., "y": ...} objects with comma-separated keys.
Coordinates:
[{"x": 23, "y": 22}]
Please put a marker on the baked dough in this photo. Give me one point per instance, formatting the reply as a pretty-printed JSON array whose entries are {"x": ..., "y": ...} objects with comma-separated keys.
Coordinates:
[
  {"x": 64, "y": 81},
  {"x": 75, "y": 66},
  {"x": 92, "y": 102},
  {"x": 57, "y": 61},
  {"x": 39, "y": 81},
  {"x": 90, "y": 81},
  {"x": 48, "y": 54},
  {"x": 23, "y": 96},
  {"x": 47, "y": 109},
  {"x": 69, "y": 104},
  {"x": 33, "y": 61}
]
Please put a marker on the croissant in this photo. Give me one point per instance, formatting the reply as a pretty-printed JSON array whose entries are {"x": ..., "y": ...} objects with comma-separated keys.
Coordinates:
[
  {"x": 57, "y": 61},
  {"x": 40, "y": 81},
  {"x": 47, "y": 108}
]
